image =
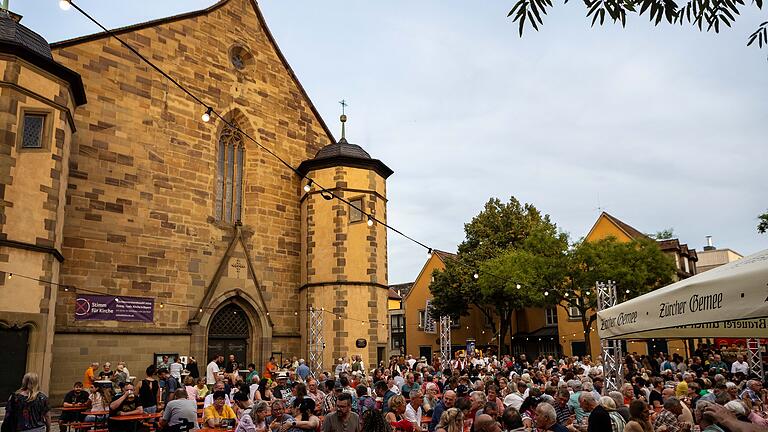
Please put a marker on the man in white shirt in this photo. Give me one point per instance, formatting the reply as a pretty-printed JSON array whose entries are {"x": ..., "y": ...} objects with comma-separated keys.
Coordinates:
[
  {"x": 175, "y": 369},
  {"x": 219, "y": 386},
  {"x": 740, "y": 365},
  {"x": 212, "y": 370},
  {"x": 515, "y": 399},
  {"x": 413, "y": 409},
  {"x": 411, "y": 361}
]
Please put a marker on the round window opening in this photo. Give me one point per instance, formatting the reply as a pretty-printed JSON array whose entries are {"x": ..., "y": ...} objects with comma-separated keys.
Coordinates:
[{"x": 239, "y": 57}]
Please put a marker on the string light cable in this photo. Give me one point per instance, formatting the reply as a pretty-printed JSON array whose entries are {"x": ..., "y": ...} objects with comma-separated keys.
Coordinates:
[{"x": 211, "y": 112}]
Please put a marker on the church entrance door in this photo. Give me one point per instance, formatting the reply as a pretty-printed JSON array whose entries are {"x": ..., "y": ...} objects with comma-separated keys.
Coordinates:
[
  {"x": 13, "y": 357},
  {"x": 229, "y": 333}
]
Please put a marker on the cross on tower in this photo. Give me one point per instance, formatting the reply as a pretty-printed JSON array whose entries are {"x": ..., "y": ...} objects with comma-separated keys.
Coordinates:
[
  {"x": 343, "y": 118},
  {"x": 238, "y": 266}
]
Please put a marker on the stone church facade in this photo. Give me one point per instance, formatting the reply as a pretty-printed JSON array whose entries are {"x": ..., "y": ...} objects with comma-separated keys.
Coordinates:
[{"x": 131, "y": 194}]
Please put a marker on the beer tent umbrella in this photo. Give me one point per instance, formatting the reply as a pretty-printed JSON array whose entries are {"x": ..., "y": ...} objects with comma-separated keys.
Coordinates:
[{"x": 730, "y": 301}]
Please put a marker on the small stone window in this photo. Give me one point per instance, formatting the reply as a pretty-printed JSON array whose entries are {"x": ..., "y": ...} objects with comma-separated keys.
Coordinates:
[
  {"x": 33, "y": 131},
  {"x": 240, "y": 57},
  {"x": 355, "y": 215}
]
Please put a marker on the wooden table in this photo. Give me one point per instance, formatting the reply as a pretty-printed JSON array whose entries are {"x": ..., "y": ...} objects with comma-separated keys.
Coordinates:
[
  {"x": 136, "y": 418},
  {"x": 75, "y": 408}
]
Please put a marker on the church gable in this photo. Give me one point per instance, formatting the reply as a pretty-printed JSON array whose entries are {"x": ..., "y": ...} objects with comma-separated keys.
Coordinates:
[
  {"x": 141, "y": 217},
  {"x": 225, "y": 54}
]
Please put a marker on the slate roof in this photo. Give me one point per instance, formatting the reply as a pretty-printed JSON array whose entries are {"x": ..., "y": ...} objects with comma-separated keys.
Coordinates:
[
  {"x": 398, "y": 291},
  {"x": 17, "y": 40},
  {"x": 342, "y": 148},
  {"x": 13, "y": 33}
]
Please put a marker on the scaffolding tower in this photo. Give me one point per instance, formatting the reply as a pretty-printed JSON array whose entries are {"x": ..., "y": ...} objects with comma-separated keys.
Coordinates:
[
  {"x": 755, "y": 353},
  {"x": 316, "y": 341},
  {"x": 445, "y": 342},
  {"x": 611, "y": 348}
]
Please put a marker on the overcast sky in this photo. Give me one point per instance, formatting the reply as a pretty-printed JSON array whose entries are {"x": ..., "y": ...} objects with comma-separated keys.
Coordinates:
[{"x": 661, "y": 127}]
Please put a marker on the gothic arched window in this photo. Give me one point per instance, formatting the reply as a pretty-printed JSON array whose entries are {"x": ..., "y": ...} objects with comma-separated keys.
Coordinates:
[{"x": 229, "y": 175}]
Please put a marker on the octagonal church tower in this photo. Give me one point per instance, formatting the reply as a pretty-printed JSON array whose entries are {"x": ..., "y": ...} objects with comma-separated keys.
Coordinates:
[
  {"x": 38, "y": 97},
  {"x": 344, "y": 268}
]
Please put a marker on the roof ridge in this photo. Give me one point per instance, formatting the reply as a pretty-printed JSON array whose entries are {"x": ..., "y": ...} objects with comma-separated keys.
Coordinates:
[
  {"x": 185, "y": 15},
  {"x": 627, "y": 228}
]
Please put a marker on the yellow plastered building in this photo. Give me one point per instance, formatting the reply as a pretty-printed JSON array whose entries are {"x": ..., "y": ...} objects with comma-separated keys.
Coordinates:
[{"x": 569, "y": 321}]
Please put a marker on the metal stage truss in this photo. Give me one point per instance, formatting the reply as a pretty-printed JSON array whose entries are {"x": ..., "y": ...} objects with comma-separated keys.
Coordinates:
[
  {"x": 611, "y": 348},
  {"x": 755, "y": 353},
  {"x": 316, "y": 341},
  {"x": 445, "y": 342}
]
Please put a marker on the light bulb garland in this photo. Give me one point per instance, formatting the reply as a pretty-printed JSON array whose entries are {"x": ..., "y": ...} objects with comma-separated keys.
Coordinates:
[
  {"x": 206, "y": 117},
  {"x": 210, "y": 112}
]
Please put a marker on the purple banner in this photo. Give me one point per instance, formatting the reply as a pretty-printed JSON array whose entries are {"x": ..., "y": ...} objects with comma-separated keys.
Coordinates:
[{"x": 114, "y": 308}]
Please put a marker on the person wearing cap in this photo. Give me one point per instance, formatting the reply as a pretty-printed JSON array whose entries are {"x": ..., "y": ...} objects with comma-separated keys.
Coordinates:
[{"x": 282, "y": 390}]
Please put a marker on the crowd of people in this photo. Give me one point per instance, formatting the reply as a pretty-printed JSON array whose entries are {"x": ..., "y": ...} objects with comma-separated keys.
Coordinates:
[{"x": 473, "y": 393}]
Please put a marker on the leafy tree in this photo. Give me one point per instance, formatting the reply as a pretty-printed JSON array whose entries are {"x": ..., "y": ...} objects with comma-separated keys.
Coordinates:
[
  {"x": 665, "y": 234},
  {"x": 637, "y": 267},
  {"x": 509, "y": 280},
  {"x": 709, "y": 14},
  {"x": 762, "y": 227},
  {"x": 499, "y": 227}
]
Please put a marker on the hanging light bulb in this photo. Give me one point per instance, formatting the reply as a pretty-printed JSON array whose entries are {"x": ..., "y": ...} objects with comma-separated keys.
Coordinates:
[
  {"x": 627, "y": 291},
  {"x": 476, "y": 276},
  {"x": 10, "y": 275},
  {"x": 296, "y": 313},
  {"x": 370, "y": 221},
  {"x": 566, "y": 294},
  {"x": 66, "y": 288},
  {"x": 162, "y": 305},
  {"x": 207, "y": 115},
  {"x": 546, "y": 293},
  {"x": 64, "y": 5},
  {"x": 517, "y": 286},
  {"x": 587, "y": 293},
  {"x": 308, "y": 186},
  {"x": 201, "y": 310}
]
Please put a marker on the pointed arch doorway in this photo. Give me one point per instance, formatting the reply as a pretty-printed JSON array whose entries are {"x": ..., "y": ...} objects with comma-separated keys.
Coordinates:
[{"x": 229, "y": 333}]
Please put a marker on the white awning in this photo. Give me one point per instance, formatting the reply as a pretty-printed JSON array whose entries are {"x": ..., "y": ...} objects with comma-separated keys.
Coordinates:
[{"x": 728, "y": 301}]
